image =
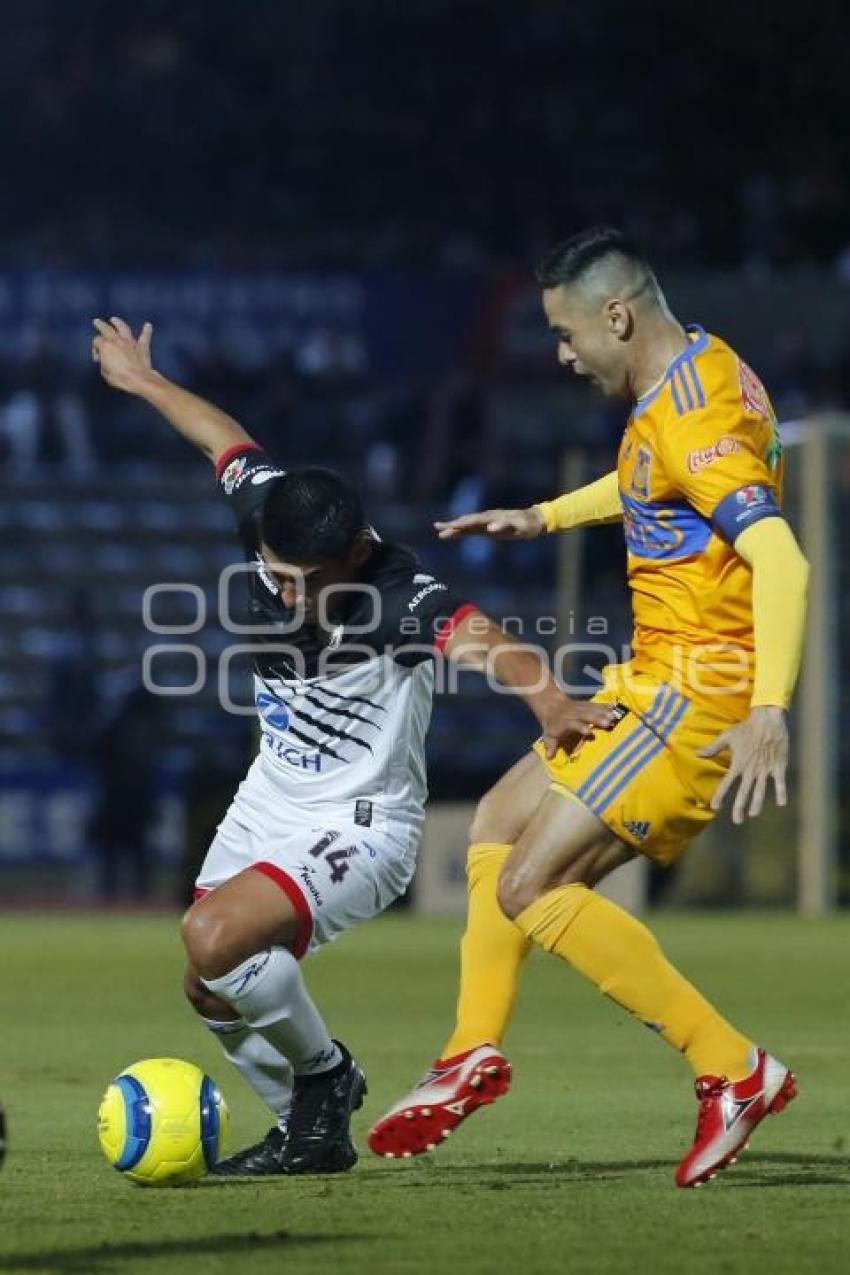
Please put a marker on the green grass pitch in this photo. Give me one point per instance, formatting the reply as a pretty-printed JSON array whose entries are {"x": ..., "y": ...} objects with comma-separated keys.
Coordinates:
[{"x": 571, "y": 1173}]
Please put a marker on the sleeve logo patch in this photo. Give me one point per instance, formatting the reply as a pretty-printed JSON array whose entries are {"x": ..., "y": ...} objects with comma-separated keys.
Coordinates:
[
  {"x": 753, "y": 394},
  {"x": 261, "y": 476},
  {"x": 232, "y": 474},
  {"x": 701, "y": 457},
  {"x": 751, "y": 499}
]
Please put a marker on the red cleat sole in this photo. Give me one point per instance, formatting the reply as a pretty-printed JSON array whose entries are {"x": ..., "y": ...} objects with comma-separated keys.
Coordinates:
[{"x": 419, "y": 1128}]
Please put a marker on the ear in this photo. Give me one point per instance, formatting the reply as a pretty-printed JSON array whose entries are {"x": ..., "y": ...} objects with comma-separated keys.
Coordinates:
[
  {"x": 361, "y": 549},
  {"x": 619, "y": 319}
]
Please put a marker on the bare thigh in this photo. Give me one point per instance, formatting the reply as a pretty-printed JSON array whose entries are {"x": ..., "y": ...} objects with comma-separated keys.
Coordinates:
[
  {"x": 562, "y": 844},
  {"x": 507, "y": 809}
]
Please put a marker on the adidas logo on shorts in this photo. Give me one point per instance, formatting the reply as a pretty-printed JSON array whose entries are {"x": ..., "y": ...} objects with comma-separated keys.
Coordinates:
[{"x": 638, "y": 828}]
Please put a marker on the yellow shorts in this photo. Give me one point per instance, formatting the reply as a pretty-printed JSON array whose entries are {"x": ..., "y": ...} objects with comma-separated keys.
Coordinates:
[{"x": 643, "y": 779}]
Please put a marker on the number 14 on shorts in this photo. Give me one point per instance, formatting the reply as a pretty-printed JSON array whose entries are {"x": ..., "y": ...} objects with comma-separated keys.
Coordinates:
[{"x": 336, "y": 859}]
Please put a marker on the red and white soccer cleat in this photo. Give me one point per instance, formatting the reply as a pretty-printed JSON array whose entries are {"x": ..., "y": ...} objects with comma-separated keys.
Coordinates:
[
  {"x": 442, "y": 1100},
  {"x": 729, "y": 1111}
]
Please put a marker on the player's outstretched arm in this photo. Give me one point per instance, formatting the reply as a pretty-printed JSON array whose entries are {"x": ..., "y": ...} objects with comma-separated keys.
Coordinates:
[
  {"x": 759, "y": 744},
  {"x": 500, "y": 524},
  {"x": 125, "y": 364},
  {"x": 598, "y": 502},
  {"x": 478, "y": 643}
]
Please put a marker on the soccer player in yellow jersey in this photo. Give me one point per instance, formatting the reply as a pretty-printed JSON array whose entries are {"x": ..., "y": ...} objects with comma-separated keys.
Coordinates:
[{"x": 718, "y": 586}]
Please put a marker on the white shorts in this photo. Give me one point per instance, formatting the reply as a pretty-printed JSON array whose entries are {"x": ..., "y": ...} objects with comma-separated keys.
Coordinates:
[{"x": 334, "y": 872}]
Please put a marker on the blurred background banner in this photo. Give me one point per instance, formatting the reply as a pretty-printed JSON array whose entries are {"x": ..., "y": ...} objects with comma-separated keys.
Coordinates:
[{"x": 331, "y": 212}]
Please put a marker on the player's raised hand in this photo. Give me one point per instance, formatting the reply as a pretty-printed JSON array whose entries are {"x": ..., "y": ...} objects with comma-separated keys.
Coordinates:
[
  {"x": 500, "y": 524},
  {"x": 567, "y": 722},
  {"x": 124, "y": 359},
  {"x": 759, "y": 748}
]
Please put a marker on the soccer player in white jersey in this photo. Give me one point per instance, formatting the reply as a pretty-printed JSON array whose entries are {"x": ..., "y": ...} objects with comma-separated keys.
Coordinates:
[{"x": 323, "y": 832}]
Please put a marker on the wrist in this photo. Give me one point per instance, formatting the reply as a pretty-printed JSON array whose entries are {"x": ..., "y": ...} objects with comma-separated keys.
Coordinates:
[
  {"x": 150, "y": 384},
  {"x": 545, "y": 701},
  {"x": 541, "y": 519},
  {"x": 775, "y": 711}
]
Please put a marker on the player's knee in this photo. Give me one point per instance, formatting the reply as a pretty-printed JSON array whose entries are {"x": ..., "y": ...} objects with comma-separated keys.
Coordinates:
[
  {"x": 209, "y": 941},
  {"x": 514, "y": 892},
  {"x": 202, "y": 1000}
]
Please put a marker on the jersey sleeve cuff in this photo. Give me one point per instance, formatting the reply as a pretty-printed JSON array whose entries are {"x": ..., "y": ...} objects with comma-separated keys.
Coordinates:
[
  {"x": 449, "y": 626},
  {"x": 227, "y": 456},
  {"x": 744, "y": 508},
  {"x": 770, "y": 699},
  {"x": 547, "y": 513}
]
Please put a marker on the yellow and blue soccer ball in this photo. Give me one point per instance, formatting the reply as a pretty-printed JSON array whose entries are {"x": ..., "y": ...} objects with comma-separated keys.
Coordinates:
[{"x": 162, "y": 1122}]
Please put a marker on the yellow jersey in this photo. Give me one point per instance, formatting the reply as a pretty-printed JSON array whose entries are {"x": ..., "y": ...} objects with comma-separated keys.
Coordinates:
[{"x": 699, "y": 462}]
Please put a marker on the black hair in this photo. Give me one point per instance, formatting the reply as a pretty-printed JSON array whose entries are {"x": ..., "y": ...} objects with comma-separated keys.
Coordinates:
[
  {"x": 569, "y": 260},
  {"x": 311, "y": 512}
]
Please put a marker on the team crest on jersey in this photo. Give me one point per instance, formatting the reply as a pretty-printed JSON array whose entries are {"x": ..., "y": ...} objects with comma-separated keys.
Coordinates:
[
  {"x": 753, "y": 394},
  {"x": 640, "y": 474},
  {"x": 232, "y": 474}
]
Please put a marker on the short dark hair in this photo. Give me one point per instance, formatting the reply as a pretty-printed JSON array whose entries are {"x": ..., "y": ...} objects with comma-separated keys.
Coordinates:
[
  {"x": 569, "y": 260},
  {"x": 311, "y": 512}
]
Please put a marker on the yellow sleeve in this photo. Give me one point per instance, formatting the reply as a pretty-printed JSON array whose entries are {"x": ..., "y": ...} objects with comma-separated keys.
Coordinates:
[
  {"x": 597, "y": 502},
  {"x": 780, "y": 580}
]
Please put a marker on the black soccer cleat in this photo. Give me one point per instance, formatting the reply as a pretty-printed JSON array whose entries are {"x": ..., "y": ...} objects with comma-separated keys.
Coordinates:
[
  {"x": 266, "y": 1159},
  {"x": 318, "y": 1139},
  {"x": 262, "y": 1160}
]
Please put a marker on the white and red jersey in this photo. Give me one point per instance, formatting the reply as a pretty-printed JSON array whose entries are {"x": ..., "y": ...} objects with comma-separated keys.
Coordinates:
[{"x": 343, "y": 711}]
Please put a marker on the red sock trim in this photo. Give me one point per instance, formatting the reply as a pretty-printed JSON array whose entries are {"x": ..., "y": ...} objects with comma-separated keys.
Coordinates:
[{"x": 296, "y": 897}]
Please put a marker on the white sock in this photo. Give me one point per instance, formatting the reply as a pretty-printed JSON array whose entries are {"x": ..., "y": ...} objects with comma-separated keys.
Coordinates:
[
  {"x": 268, "y": 993},
  {"x": 266, "y": 1070}
]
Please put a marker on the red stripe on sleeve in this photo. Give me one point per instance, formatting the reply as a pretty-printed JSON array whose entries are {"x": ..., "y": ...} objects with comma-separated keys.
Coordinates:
[
  {"x": 296, "y": 897},
  {"x": 450, "y": 625},
  {"x": 226, "y": 457}
]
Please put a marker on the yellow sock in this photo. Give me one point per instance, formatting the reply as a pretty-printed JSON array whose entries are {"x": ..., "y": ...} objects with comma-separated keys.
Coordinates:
[
  {"x": 619, "y": 954},
  {"x": 491, "y": 954}
]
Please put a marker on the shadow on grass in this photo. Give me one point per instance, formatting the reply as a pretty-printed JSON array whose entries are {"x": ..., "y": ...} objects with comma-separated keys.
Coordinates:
[
  {"x": 770, "y": 1169},
  {"x": 792, "y": 1169},
  {"x": 102, "y": 1259}
]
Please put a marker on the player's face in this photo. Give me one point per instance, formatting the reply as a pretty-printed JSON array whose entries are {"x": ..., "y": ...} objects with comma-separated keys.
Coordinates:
[
  {"x": 302, "y": 583},
  {"x": 589, "y": 339}
]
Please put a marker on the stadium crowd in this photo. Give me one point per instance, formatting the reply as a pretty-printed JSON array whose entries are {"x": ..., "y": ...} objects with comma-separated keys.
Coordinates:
[
  {"x": 435, "y": 131},
  {"x": 428, "y": 152}
]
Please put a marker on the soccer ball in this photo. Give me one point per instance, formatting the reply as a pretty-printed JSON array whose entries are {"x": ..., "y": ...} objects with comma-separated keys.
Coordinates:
[{"x": 162, "y": 1122}]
